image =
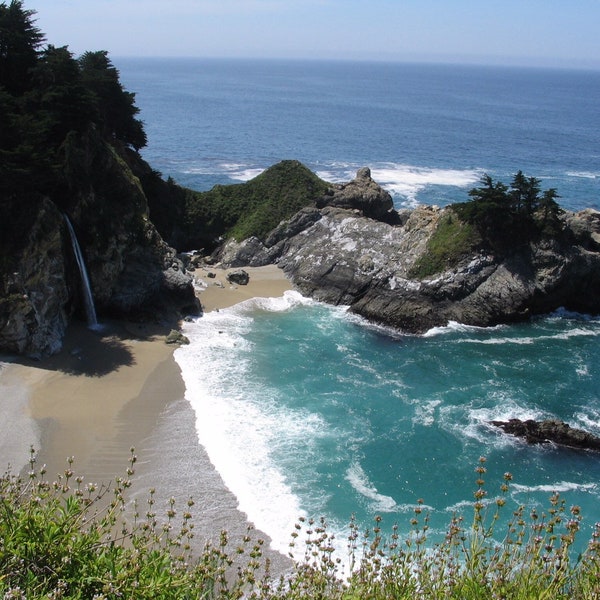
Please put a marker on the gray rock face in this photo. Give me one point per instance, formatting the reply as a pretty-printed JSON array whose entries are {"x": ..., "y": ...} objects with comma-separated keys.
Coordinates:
[
  {"x": 362, "y": 194},
  {"x": 151, "y": 279},
  {"x": 33, "y": 306},
  {"x": 339, "y": 256},
  {"x": 585, "y": 226}
]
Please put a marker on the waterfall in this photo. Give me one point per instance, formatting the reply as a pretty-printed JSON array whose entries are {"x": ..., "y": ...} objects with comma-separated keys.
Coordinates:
[{"x": 90, "y": 309}]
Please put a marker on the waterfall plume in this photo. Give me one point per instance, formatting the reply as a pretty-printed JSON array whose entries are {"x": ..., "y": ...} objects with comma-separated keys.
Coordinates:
[{"x": 88, "y": 299}]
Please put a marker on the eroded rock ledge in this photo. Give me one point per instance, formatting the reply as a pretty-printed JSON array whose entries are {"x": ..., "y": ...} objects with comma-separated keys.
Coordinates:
[{"x": 337, "y": 253}]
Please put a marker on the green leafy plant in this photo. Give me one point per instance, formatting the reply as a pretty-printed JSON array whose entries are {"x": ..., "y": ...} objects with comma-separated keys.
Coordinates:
[{"x": 65, "y": 539}]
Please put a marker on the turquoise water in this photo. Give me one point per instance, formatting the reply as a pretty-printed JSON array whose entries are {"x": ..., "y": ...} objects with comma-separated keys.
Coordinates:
[{"x": 307, "y": 410}]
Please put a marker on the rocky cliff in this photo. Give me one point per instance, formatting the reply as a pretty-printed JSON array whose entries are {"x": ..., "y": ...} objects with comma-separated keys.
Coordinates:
[
  {"x": 339, "y": 253},
  {"x": 69, "y": 146},
  {"x": 132, "y": 271}
]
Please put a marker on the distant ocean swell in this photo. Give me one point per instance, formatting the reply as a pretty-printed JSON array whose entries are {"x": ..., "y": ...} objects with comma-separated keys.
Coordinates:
[
  {"x": 409, "y": 185},
  {"x": 427, "y": 139}
]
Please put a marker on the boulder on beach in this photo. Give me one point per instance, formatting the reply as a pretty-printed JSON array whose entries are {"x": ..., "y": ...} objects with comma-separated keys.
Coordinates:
[
  {"x": 239, "y": 277},
  {"x": 176, "y": 337}
]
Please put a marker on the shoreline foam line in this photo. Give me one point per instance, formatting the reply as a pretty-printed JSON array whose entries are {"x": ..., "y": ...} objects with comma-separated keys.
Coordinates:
[{"x": 238, "y": 433}]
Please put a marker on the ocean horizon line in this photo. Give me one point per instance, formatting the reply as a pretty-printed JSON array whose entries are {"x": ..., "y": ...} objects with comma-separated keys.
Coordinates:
[{"x": 468, "y": 64}]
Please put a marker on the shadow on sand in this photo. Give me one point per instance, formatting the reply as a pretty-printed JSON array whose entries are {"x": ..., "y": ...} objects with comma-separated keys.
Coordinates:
[{"x": 99, "y": 351}]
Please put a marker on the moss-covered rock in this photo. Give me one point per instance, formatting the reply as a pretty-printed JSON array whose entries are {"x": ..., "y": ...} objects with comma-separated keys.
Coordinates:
[
  {"x": 451, "y": 241},
  {"x": 176, "y": 337}
]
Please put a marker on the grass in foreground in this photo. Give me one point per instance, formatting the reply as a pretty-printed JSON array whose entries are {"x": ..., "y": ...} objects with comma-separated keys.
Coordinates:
[{"x": 64, "y": 539}]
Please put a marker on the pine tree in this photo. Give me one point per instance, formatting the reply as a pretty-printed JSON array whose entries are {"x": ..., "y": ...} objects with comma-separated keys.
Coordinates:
[
  {"x": 524, "y": 193},
  {"x": 115, "y": 107},
  {"x": 20, "y": 41}
]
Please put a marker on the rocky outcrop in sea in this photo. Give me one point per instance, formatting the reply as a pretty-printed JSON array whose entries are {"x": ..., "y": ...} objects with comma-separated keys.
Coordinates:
[
  {"x": 549, "y": 431},
  {"x": 354, "y": 249}
]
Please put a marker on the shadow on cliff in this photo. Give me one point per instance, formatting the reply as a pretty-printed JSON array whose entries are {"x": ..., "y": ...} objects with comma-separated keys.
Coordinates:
[{"x": 98, "y": 352}]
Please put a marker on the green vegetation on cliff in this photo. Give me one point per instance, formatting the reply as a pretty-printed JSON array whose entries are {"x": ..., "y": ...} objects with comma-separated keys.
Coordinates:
[
  {"x": 452, "y": 240},
  {"x": 46, "y": 95},
  {"x": 257, "y": 206},
  {"x": 498, "y": 218},
  {"x": 56, "y": 114},
  {"x": 199, "y": 219}
]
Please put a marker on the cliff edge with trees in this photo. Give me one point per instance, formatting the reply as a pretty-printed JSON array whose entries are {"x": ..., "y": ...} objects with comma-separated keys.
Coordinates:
[
  {"x": 69, "y": 136},
  {"x": 69, "y": 145}
]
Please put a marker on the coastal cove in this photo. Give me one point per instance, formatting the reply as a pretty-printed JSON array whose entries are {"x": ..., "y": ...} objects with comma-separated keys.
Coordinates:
[
  {"x": 339, "y": 417},
  {"x": 319, "y": 409},
  {"x": 283, "y": 406},
  {"x": 115, "y": 388}
]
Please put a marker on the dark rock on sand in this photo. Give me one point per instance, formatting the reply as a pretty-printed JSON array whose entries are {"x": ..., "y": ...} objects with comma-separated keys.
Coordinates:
[
  {"x": 176, "y": 337},
  {"x": 239, "y": 277}
]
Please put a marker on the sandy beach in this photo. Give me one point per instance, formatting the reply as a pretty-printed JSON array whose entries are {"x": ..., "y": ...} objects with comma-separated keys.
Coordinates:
[
  {"x": 216, "y": 292},
  {"x": 117, "y": 388}
]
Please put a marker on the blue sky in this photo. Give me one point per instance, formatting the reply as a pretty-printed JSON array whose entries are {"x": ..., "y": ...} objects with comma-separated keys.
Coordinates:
[{"x": 561, "y": 33}]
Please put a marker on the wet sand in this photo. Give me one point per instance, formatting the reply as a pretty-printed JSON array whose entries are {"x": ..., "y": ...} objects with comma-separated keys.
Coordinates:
[{"x": 117, "y": 388}]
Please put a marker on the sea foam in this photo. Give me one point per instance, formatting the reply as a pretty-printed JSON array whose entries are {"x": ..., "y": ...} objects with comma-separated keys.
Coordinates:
[
  {"x": 402, "y": 180},
  {"x": 557, "y": 487},
  {"x": 454, "y": 327},
  {"x": 358, "y": 479},
  {"x": 584, "y": 174},
  {"x": 470, "y": 422},
  {"x": 237, "y": 432},
  {"x": 234, "y": 171}
]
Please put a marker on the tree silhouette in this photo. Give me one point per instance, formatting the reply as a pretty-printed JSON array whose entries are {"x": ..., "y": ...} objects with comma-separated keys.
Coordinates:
[
  {"x": 50, "y": 105},
  {"x": 505, "y": 216},
  {"x": 114, "y": 107},
  {"x": 524, "y": 193},
  {"x": 20, "y": 41}
]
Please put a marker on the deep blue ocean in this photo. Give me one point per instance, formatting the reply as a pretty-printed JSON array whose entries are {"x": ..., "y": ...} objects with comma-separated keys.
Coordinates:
[{"x": 307, "y": 410}]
